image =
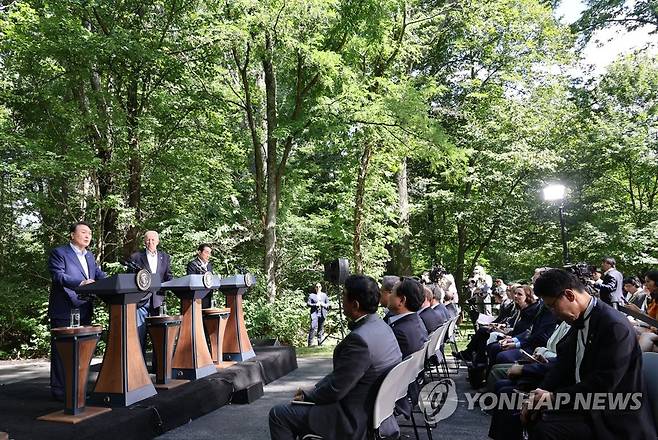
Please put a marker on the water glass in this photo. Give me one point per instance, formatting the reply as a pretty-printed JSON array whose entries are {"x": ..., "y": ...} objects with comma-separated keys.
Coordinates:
[{"x": 75, "y": 317}]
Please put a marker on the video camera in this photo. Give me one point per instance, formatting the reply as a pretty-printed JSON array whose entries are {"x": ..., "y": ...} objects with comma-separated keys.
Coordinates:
[
  {"x": 583, "y": 271},
  {"x": 436, "y": 273}
]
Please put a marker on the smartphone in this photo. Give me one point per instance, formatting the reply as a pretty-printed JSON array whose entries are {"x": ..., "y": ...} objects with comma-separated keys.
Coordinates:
[{"x": 528, "y": 356}]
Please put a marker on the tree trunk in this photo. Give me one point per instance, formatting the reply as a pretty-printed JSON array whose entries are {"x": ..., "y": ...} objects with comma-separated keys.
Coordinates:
[
  {"x": 134, "y": 170},
  {"x": 272, "y": 186},
  {"x": 400, "y": 251},
  {"x": 358, "y": 206}
]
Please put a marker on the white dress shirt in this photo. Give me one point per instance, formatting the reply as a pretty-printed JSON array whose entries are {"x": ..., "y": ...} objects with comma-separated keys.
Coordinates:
[
  {"x": 153, "y": 261},
  {"x": 81, "y": 254}
]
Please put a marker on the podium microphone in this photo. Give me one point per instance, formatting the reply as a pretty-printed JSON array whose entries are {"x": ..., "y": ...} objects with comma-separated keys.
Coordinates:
[{"x": 132, "y": 266}]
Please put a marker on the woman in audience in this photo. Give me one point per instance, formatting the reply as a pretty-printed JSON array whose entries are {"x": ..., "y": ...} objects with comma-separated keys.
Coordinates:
[{"x": 527, "y": 306}]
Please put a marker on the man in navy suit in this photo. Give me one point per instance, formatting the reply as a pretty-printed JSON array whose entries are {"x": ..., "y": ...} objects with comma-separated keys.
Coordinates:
[
  {"x": 437, "y": 304},
  {"x": 341, "y": 403},
  {"x": 70, "y": 266},
  {"x": 159, "y": 264},
  {"x": 385, "y": 291},
  {"x": 199, "y": 266},
  {"x": 599, "y": 354},
  {"x": 318, "y": 304},
  {"x": 408, "y": 328},
  {"x": 431, "y": 318}
]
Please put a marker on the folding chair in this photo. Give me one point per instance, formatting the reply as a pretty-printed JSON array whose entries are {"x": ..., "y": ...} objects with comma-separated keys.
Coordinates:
[
  {"x": 452, "y": 340},
  {"x": 435, "y": 351},
  {"x": 393, "y": 388}
]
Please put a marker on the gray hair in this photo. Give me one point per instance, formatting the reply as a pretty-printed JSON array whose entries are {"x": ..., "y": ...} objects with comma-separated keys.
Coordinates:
[{"x": 389, "y": 281}]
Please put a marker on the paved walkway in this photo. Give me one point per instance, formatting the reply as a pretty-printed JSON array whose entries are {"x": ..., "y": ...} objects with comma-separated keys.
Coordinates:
[{"x": 249, "y": 422}]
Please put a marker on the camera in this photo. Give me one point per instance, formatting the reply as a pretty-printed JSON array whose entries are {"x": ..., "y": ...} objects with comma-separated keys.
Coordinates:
[{"x": 437, "y": 273}]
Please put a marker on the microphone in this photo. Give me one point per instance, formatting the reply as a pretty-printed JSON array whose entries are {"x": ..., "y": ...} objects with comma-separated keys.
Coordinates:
[{"x": 132, "y": 266}]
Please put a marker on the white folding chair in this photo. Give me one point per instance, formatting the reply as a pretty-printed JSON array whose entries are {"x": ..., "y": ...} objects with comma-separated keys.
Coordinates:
[
  {"x": 392, "y": 389},
  {"x": 434, "y": 349},
  {"x": 452, "y": 340}
]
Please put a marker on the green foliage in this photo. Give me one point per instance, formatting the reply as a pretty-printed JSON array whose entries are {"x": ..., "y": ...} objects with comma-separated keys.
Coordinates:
[{"x": 153, "y": 115}]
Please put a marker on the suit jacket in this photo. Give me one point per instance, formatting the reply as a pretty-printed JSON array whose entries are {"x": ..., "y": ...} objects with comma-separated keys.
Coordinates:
[
  {"x": 163, "y": 273},
  {"x": 506, "y": 312},
  {"x": 612, "y": 363},
  {"x": 543, "y": 326},
  {"x": 318, "y": 303},
  {"x": 431, "y": 319},
  {"x": 410, "y": 333},
  {"x": 611, "y": 288},
  {"x": 194, "y": 267},
  {"x": 442, "y": 311},
  {"x": 67, "y": 274},
  {"x": 345, "y": 397},
  {"x": 525, "y": 319}
]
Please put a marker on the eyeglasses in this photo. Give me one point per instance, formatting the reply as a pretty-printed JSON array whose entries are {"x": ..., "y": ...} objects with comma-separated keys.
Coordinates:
[{"x": 556, "y": 299}]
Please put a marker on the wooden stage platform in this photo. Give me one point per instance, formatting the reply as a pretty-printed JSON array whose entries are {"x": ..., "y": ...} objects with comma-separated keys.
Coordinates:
[{"x": 22, "y": 402}]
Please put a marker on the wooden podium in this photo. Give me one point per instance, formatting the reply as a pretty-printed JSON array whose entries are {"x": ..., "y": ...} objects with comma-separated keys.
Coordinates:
[
  {"x": 192, "y": 358},
  {"x": 214, "y": 321},
  {"x": 163, "y": 331},
  {"x": 123, "y": 379},
  {"x": 237, "y": 346},
  {"x": 75, "y": 345}
]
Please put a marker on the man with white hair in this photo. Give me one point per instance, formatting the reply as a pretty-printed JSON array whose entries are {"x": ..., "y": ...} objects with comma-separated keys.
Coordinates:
[{"x": 159, "y": 264}]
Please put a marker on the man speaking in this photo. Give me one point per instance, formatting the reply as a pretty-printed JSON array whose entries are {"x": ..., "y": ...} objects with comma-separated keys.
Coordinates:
[{"x": 70, "y": 266}]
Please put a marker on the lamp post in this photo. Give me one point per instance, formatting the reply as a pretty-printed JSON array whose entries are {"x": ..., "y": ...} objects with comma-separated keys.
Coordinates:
[{"x": 552, "y": 193}]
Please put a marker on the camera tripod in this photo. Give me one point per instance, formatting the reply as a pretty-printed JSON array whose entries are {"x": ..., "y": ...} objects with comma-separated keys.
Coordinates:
[{"x": 338, "y": 290}]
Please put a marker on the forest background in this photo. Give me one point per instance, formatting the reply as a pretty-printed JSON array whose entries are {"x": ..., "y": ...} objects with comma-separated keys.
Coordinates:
[{"x": 287, "y": 133}]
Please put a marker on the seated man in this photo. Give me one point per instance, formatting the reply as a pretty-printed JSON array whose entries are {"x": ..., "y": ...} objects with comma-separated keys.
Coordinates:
[
  {"x": 431, "y": 318},
  {"x": 385, "y": 291},
  {"x": 437, "y": 302},
  {"x": 343, "y": 400},
  {"x": 408, "y": 328},
  {"x": 600, "y": 354}
]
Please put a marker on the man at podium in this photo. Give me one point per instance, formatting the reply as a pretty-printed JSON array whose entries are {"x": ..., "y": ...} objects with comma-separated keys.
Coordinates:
[
  {"x": 70, "y": 266},
  {"x": 159, "y": 264},
  {"x": 199, "y": 266}
]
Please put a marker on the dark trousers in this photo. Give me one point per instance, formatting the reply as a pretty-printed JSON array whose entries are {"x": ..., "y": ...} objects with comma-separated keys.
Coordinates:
[
  {"x": 317, "y": 325},
  {"x": 558, "y": 425},
  {"x": 142, "y": 313},
  {"x": 57, "y": 373},
  {"x": 288, "y": 421},
  {"x": 206, "y": 301}
]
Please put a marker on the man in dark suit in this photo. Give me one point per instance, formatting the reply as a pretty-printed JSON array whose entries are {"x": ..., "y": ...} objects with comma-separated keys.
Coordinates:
[
  {"x": 431, "y": 318},
  {"x": 599, "y": 354},
  {"x": 408, "y": 328},
  {"x": 385, "y": 291},
  {"x": 343, "y": 400},
  {"x": 70, "y": 266},
  {"x": 611, "y": 285},
  {"x": 199, "y": 266},
  {"x": 159, "y": 264},
  {"x": 437, "y": 304},
  {"x": 318, "y": 304}
]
